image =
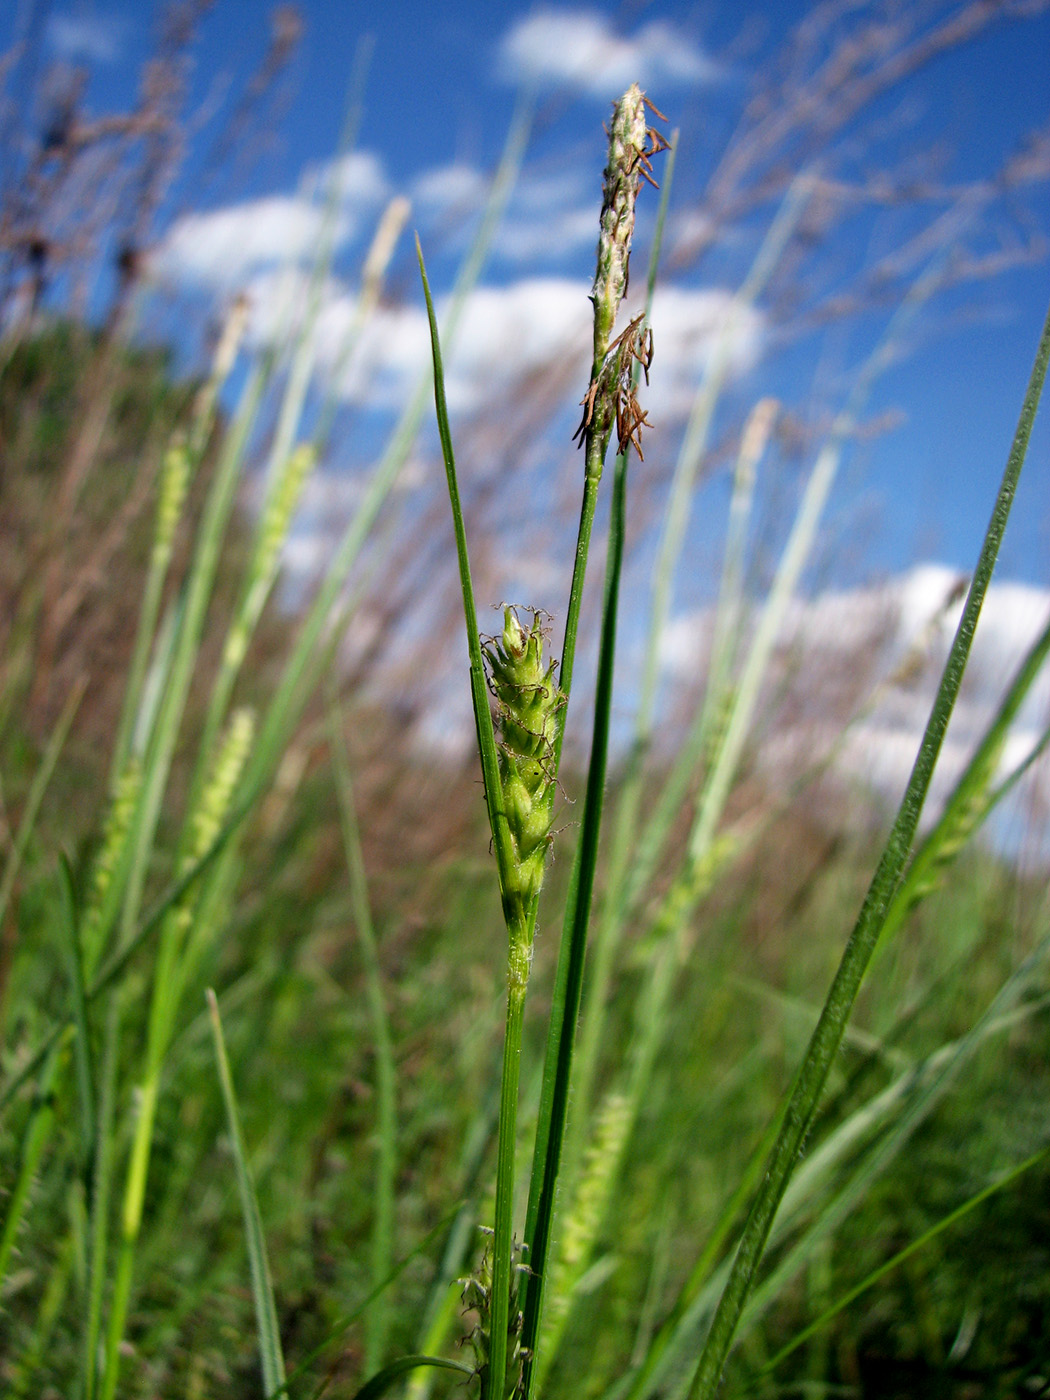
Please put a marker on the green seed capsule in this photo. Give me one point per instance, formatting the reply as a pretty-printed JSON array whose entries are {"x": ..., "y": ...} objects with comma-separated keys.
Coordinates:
[{"x": 527, "y": 705}]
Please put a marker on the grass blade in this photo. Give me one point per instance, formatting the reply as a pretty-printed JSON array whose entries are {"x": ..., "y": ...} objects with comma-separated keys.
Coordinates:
[
  {"x": 809, "y": 1084},
  {"x": 386, "y": 1108},
  {"x": 379, "y": 1385},
  {"x": 270, "y": 1354}
]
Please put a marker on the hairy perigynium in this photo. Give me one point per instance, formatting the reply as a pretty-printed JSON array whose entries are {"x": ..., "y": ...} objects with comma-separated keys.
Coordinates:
[{"x": 527, "y": 705}]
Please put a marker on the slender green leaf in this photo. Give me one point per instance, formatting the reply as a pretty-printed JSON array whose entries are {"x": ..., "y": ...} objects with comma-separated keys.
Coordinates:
[
  {"x": 386, "y": 1108},
  {"x": 809, "y": 1084},
  {"x": 380, "y": 1384},
  {"x": 270, "y": 1354}
]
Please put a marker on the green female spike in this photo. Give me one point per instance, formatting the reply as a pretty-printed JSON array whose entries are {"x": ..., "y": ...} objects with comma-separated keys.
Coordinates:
[{"x": 527, "y": 705}]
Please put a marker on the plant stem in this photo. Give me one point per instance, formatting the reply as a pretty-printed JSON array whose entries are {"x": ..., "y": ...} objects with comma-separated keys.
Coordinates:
[{"x": 503, "y": 1244}]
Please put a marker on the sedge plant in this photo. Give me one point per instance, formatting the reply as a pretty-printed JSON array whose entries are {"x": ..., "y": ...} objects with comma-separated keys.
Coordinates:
[
  {"x": 519, "y": 762},
  {"x": 520, "y": 767}
]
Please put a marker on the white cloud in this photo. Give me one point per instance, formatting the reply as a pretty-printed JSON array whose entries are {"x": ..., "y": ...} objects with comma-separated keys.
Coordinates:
[
  {"x": 580, "y": 48},
  {"x": 548, "y": 218},
  {"x": 507, "y": 332},
  {"x": 96, "y": 39},
  {"x": 358, "y": 177},
  {"x": 227, "y": 247},
  {"x": 448, "y": 187},
  {"x": 911, "y": 619}
]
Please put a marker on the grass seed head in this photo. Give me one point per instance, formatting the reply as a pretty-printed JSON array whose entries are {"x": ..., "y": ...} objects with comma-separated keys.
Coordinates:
[{"x": 527, "y": 705}]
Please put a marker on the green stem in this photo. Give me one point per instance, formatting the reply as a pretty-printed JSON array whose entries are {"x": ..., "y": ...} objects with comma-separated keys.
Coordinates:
[
  {"x": 578, "y": 918},
  {"x": 503, "y": 1244}
]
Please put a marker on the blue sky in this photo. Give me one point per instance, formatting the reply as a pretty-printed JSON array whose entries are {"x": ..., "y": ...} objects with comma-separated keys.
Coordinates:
[{"x": 441, "y": 85}]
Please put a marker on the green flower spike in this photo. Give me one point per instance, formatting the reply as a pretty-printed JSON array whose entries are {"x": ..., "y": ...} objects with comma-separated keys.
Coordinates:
[{"x": 527, "y": 705}]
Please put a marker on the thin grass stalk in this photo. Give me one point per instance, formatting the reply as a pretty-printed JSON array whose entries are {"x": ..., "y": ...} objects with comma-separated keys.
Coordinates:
[
  {"x": 972, "y": 798},
  {"x": 632, "y": 860},
  {"x": 270, "y": 1355},
  {"x": 626, "y": 148},
  {"x": 694, "y": 443},
  {"x": 100, "y": 1195},
  {"x": 377, "y": 260},
  {"x": 704, "y": 739},
  {"x": 287, "y": 467},
  {"x": 585, "y": 866},
  {"x": 169, "y": 981},
  {"x": 805, "y": 1096},
  {"x": 378, "y": 1321}
]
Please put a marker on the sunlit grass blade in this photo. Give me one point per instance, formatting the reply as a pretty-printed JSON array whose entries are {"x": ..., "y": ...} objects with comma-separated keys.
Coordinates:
[
  {"x": 809, "y": 1084},
  {"x": 478, "y": 686},
  {"x": 386, "y": 1107},
  {"x": 270, "y": 1353},
  {"x": 973, "y": 796}
]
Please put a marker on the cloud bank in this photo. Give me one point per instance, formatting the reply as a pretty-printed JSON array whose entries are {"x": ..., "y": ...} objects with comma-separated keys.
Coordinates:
[
  {"x": 581, "y": 50},
  {"x": 903, "y": 632}
]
